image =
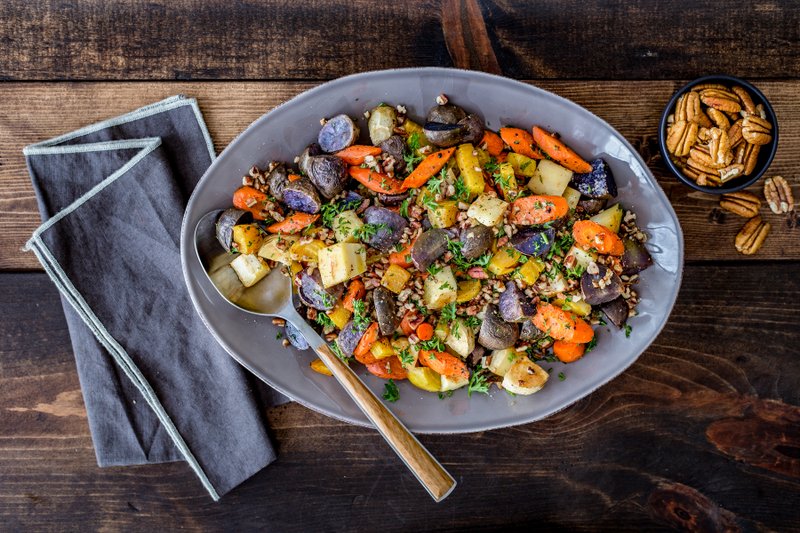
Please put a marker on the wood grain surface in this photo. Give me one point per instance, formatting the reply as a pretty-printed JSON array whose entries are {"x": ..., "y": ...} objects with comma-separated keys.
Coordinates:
[
  {"x": 701, "y": 431},
  {"x": 323, "y": 39},
  {"x": 33, "y": 112}
]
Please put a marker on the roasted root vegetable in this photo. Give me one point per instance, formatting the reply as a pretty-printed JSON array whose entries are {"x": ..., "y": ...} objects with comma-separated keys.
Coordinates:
[
  {"x": 597, "y": 181},
  {"x": 293, "y": 224},
  {"x": 470, "y": 170},
  {"x": 493, "y": 143},
  {"x": 424, "y": 378},
  {"x": 319, "y": 367},
  {"x": 610, "y": 217},
  {"x": 503, "y": 261},
  {"x": 550, "y": 178},
  {"x": 488, "y": 209},
  {"x": 440, "y": 289},
  {"x": 428, "y": 168},
  {"x": 375, "y": 181},
  {"x": 395, "y": 278},
  {"x": 356, "y": 154},
  {"x": 522, "y": 165},
  {"x": 443, "y": 214},
  {"x": 538, "y": 209},
  {"x": 461, "y": 338},
  {"x": 277, "y": 248},
  {"x": 247, "y": 238},
  {"x": 381, "y": 124},
  {"x": 591, "y": 235},
  {"x": 525, "y": 377},
  {"x": 250, "y": 269},
  {"x": 227, "y": 221},
  {"x": 251, "y": 200},
  {"x": 559, "y": 151},
  {"x": 501, "y": 360},
  {"x": 443, "y": 363},
  {"x": 496, "y": 333},
  {"x": 521, "y": 142},
  {"x": 341, "y": 262},
  {"x": 346, "y": 225}
]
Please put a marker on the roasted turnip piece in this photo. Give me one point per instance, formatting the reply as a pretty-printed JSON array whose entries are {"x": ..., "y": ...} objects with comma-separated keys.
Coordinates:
[
  {"x": 514, "y": 306},
  {"x": 601, "y": 287},
  {"x": 225, "y": 223},
  {"x": 301, "y": 195},
  {"x": 535, "y": 243},
  {"x": 348, "y": 338},
  {"x": 429, "y": 246},
  {"x": 313, "y": 294},
  {"x": 496, "y": 333},
  {"x": 390, "y": 233},
  {"x": 392, "y": 199},
  {"x": 617, "y": 311},
  {"x": 592, "y": 206},
  {"x": 295, "y": 337},
  {"x": 475, "y": 241},
  {"x": 395, "y": 146},
  {"x": 304, "y": 163},
  {"x": 277, "y": 180},
  {"x": 381, "y": 124},
  {"x": 383, "y": 299},
  {"x": 635, "y": 258},
  {"x": 446, "y": 114},
  {"x": 328, "y": 173},
  {"x": 337, "y": 134},
  {"x": 599, "y": 183},
  {"x": 529, "y": 332}
]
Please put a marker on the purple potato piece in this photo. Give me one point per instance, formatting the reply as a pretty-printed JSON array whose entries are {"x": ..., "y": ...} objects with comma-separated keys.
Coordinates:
[
  {"x": 599, "y": 183},
  {"x": 301, "y": 195},
  {"x": 311, "y": 151},
  {"x": 348, "y": 338},
  {"x": 277, "y": 180},
  {"x": 496, "y": 333},
  {"x": 313, "y": 294},
  {"x": 395, "y": 146},
  {"x": 635, "y": 258},
  {"x": 592, "y": 206},
  {"x": 446, "y": 114},
  {"x": 337, "y": 134},
  {"x": 429, "y": 246},
  {"x": 476, "y": 355},
  {"x": 529, "y": 332},
  {"x": 392, "y": 199},
  {"x": 444, "y": 135},
  {"x": 225, "y": 223},
  {"x": 328, "y": 173},
  {"x": 475, "y": 241},
  {"x": 601, "y": 287},
  {"x": 387, "y": 236},
  {"x": 513, "y": 305},
  {"x": 617, "y": 311},
  {"x": 534, "y": 243},
  {"x": 474, "y": 129},
  {"x": 383, "y": 300},
  {"x": 295, "y": 337}
]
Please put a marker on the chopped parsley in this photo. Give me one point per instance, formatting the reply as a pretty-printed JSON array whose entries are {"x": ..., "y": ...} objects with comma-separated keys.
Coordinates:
[
  {"x": 324, "y": 320},
  {"x": 434, "y": 345},
  {"x": 448, "y": 313},
  {"x": 338, "y": 352},
  {"x": 411, "y": 158},
  {"x": 561, "y": 376},
  {"x": 405, "y": 357},
  {"x": 591, "y": 345},
  {"x": 278, "y": 336},
  {"x": 434, "y": 269},
  {"x": 446, "y": 394},
  {"x": 462, "y": 192},
  {"x": 360, "y": 317},
  {"x": 367, "y": 231},
  {"x": 331, "y": 210},
  {"x": 404, "y": 207},
  {"x": 390, "y": 392},
  {"x": 435, "y": 183},
  {"x": 478, "y": 382},
  {"x": 628, "y": 330},
  {"x": 454, "y": 247}
]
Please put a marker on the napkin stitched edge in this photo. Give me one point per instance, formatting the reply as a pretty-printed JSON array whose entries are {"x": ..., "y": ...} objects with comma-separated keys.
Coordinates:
[{"x": 59, "y": 276}]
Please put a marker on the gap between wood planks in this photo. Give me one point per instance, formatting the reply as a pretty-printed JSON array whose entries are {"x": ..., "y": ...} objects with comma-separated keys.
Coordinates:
[{"x": 36, "y": 111}]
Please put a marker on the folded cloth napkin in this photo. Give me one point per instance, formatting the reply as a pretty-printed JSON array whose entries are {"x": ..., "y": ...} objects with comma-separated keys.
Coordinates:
[{"x": 156, "y": 384}]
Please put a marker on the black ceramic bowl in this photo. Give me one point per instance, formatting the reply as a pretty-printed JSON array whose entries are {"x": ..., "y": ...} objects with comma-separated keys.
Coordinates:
[{"x": 765, "y": 156}]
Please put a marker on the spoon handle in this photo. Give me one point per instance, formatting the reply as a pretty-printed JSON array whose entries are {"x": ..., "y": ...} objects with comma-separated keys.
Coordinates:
[{"x": 438, "y": 482}]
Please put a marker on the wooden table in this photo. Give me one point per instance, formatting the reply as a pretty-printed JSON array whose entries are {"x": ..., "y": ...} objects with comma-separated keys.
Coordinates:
[{"x": 703, "y": 432}]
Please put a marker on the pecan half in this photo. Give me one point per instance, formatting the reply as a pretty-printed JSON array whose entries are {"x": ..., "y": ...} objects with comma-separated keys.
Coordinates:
[
  {"x": 747, "y": 101},
  {"x": 700, "y": 154},
  {"x": 721, "y": 99},
  {"x": 735, "y": 133},
  {"x": 756, "y": 130},
  {"x": 779, "y": 195},
  {"x": 681, "y": 136},
  {"x": 751, "y": 236},
  {"x": 730, "y": 172},
  {"x": 719, "y": 148},
  {"x": 719, "y": 119},
  {"x": 742, "y": 203},
  {"x": 747, "y": 155}
]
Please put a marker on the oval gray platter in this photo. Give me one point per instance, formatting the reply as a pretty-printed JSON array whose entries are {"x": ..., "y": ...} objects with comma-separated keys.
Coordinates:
[{"x": 282, "y": 134}]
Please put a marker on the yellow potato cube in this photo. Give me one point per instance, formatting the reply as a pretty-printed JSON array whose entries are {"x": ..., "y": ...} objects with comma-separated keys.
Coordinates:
[
  {"x": 507, "y": 181},
  {"x": 319, "y": 367},
  {"x": 610, "y": 217},
  {"x": 444, "y": 214},
  {"x": 248, "y": 238},
  {"x": 340, "y": 315},
  {"x": 579, "y": 307},
  {"x": 522, "y": 164},
  {"x": 340, "y": 262},
  {"x": 395, "y": 278},
  {"x": 487, "y": 209},
  {"x": 550, "y": 178},
  {"x": 306, "y": 252},
  {"x": 504, "y": 261},
  {"x": 471, "y": 170},
  {"x": 467, "y": 290},
  {"x": 530, "y": 271},
  {"x": 381, "y": 349}
]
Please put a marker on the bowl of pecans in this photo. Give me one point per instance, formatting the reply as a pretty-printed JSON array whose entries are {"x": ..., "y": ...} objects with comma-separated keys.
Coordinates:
[{"x": 718, "y": 134}]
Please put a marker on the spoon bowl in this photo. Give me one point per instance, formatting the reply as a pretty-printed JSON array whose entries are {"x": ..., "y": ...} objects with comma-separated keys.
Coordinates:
[{"x": 273, "y": 296}]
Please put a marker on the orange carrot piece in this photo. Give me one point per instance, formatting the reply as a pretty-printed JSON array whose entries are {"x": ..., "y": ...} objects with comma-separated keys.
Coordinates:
[
  {"x": 295, "y": 177},
  {"x": 409, "y": 322},
  {"x": 249, "y": 199},
  {"x": 493, "y": 142},
  {"x": 568, "y": 352},
  {"x": 502, "y": 157},
  {"x": 428, "y": 168},
  {"x": 355, "y": 155},
  {"x": 293, "y": 224},
  {"x": 590, "y": 234},
  {"x": 388, "y": 368},
  {"x": 367, "y": 340},
  {"x": 355, "y": 291},
  {"x": 425, "y": 331},
  {"x": 444, "y": 363},
  {"x": 583, "y": 332},
  {"x": 537, "y": 209},
  {"x": 559, "y": 151},
  {"x": 375, "y": 181},
  {"x": 403, "y": 257},
  {"x": 521, "y": 142},
  {"x": 554, "y": 321}
]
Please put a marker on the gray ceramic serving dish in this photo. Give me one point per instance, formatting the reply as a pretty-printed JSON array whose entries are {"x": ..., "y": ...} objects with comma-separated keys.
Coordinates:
[{"x": 282, "y": 133}]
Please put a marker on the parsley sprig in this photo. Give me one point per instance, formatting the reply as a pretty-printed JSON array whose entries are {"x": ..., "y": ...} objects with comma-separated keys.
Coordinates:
[{"x": 390, "y": 392}]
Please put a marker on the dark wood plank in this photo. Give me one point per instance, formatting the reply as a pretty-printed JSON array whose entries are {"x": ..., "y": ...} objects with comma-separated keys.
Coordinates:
[
  {"x": 702, "y": 431},
  {"x": 33, "y": 111},
  {"x": 179, "y": 40}
]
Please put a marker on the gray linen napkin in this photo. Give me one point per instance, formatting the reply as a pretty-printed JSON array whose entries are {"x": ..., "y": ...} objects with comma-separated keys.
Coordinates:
[{"x": 157, "y": 386}]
